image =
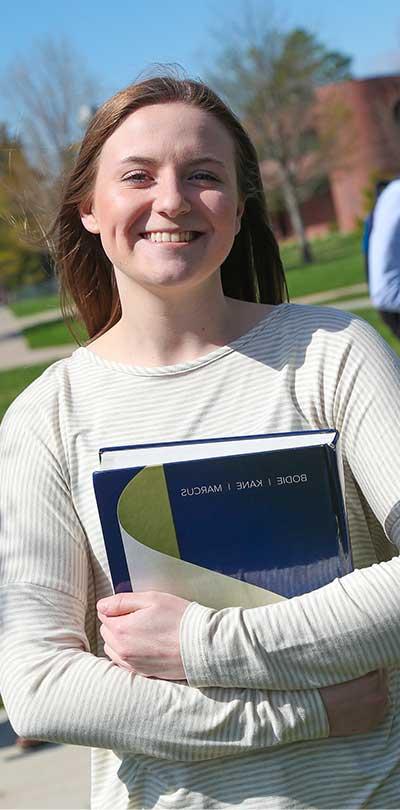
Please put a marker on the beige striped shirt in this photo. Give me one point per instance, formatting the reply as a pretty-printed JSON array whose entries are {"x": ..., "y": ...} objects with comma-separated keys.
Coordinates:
[{"x": 249, "y": 730}]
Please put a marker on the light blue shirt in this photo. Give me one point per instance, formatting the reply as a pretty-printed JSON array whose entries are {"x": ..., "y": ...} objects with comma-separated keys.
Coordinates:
[{"x": 384, "y": 250}]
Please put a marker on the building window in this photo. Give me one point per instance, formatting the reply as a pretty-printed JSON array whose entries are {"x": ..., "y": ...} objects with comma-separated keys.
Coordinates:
[{"x": 396, "y": 112}]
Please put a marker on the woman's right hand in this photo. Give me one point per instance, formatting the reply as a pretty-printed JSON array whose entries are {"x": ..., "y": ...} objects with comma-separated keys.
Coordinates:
[{"x": 358, "y": 706}]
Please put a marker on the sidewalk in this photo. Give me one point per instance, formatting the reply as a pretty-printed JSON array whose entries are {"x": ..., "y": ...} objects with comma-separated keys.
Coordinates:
[
  {"x": 340, "y": 292},
  {"x": 50, "y": 776},
  {"x": 14, "y": 350}
]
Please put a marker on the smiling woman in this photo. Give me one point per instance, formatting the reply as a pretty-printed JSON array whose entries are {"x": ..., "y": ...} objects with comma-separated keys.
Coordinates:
[{"x": 164, "y": 247}]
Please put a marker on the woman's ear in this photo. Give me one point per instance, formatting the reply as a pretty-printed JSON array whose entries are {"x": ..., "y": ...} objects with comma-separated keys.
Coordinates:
[
  {"x": 239, "y": 214},
  {"x": 88, "y": 217}
]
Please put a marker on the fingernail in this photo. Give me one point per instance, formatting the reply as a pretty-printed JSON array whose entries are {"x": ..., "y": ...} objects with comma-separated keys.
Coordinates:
[{"x": 103, "y": 605}]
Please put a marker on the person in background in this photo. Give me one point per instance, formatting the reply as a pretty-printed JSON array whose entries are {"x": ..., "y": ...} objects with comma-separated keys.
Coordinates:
[
  {"x": 368, "y": 222},
  {"x": 384, "y": 256}
]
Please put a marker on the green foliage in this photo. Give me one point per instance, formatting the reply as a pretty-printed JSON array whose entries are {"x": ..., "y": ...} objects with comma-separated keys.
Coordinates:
[
  {"x": 270, "y": 79},
  {"x": 370, "y": 192},
  {"x": 305, "y": 56},
  {"x": 20, "y": 262},
  {"x": 19, "y": 266}
]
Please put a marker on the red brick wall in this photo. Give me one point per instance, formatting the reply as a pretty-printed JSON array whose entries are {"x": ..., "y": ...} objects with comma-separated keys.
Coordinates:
[{"x": 369, "y": 144}]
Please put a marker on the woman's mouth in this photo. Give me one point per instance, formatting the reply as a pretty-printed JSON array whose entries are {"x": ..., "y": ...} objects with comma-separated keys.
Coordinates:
[{"x": 182, "y": 237}]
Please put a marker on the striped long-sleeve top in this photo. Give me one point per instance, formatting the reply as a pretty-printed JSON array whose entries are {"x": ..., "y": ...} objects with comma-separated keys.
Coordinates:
[{"x": 249, "y": 727}]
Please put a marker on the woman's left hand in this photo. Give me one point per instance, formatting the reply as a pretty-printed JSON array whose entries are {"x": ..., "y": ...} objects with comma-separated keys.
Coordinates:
[{"x": 141, "y": 632}]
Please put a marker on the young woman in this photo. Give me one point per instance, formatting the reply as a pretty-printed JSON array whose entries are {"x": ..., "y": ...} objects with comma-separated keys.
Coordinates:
[{"x": 165, "y": 249}]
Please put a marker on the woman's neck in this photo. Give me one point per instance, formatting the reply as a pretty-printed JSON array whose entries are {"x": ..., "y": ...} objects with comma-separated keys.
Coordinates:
[{"x": 162, "y": 331}]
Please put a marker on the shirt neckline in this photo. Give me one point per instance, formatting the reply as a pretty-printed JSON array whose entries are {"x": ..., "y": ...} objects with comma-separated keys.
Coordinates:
[{"x": 84, "y": 352}]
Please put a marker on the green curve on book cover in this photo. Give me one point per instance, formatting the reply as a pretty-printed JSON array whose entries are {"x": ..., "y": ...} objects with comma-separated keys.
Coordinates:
[{"x": 144, "y": 511}]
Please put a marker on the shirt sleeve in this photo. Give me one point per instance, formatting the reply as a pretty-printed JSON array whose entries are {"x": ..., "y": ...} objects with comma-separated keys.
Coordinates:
[
  {"x": 53, "y": 686},
  {"x": 384, "y": 251},
  {"x": 352, "y": 625}
]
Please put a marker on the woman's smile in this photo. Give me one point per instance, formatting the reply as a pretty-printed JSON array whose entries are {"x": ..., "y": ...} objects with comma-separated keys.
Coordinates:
[{"x": 171, "y": 238}]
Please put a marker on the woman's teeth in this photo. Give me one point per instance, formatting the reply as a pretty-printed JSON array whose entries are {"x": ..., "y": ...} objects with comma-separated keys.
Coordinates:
[{"x": 164, "y": 236}]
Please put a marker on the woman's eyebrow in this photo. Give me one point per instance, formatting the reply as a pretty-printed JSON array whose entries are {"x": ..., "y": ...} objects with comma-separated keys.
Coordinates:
[
  {"x": 136, "y": 159},
  {"x": 152, "y": 161},
  {"x": 206, "y": 159}
]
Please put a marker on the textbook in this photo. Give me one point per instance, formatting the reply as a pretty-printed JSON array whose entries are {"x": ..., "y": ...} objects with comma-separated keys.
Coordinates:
[{"x": 241, "y": 521}]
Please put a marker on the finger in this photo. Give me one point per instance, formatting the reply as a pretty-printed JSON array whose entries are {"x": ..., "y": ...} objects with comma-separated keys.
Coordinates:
[
  {"x": 122, "y": 603},
  {"x": 106, "y": 635},
  {"x": 114, "y": 657}
]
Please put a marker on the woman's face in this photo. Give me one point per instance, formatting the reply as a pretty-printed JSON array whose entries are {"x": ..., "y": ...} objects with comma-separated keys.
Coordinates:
[{"x": 166, "y": 202}]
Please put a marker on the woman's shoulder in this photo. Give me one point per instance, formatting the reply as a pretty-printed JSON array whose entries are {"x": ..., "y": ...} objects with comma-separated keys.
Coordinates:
[
  {"x": 327, "y": 322},
  {"x": 306, "y": 334},
  {"x": 340, "y": 346},
  {"x": 323, "y": 317}
]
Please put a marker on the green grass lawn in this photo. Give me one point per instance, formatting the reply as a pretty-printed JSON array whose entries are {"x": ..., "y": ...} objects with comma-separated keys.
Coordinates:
[
  {"x": 53, "y": 333},
  {"x": 31, "y": 306},
  {"x": 338, "y": 263},
  {"x": 13, "y": 381}
]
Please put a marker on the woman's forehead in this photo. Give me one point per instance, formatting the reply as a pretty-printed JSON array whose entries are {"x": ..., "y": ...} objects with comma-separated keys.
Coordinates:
[{"x": 175, "y": 127}]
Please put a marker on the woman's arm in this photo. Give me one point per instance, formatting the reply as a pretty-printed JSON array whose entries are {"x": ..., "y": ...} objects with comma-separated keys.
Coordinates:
[
  {"x": 340, "y": 632},
  {"x": 141, "y": 634},
  {"x": 54, "y": 688},
  {"x": 352, "y": 625}
]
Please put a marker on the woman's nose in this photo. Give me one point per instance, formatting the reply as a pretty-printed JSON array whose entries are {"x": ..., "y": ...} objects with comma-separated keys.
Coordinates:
[{"x": 170, "y": 197}]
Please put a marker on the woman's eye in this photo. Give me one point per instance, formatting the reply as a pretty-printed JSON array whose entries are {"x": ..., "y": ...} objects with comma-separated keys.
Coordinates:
[
  {"x": 205, "y": 176},
  {"x": 136, "y": 177}
]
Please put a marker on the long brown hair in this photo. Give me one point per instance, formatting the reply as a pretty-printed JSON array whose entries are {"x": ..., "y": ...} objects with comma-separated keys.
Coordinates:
[{"x": 251, "y": 272}]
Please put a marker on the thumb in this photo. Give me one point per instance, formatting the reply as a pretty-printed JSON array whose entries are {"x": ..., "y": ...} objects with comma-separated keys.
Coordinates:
[{"x": 123, "y": 603}]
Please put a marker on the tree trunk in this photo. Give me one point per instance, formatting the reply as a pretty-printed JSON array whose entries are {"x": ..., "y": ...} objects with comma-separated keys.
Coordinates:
[{"x": 293, "y": 209}]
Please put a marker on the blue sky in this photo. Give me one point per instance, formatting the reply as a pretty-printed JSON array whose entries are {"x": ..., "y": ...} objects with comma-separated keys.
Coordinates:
[{"x": 119, "y": 39}]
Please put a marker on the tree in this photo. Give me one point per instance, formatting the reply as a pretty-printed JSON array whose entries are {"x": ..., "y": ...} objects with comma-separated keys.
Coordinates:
[
  {"x": 47, "y": 89},
  {"x": 21, "y": 262},
  {"x": 270, "y": 77}
]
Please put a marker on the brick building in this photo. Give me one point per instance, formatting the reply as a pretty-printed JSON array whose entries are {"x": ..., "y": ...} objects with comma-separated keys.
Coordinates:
[{"x": 366, "y": 148}]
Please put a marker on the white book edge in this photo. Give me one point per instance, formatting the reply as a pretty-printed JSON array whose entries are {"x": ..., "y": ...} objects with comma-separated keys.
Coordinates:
[{"x": 120, "y": 458}]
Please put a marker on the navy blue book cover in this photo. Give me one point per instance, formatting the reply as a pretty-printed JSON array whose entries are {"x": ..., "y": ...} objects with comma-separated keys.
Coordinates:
[{"x": 272, "y": 521}]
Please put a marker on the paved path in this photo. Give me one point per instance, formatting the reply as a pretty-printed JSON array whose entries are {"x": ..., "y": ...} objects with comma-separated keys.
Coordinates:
[
  {"x": 50, "y": 776},
  {"x": 334, "y": 295},
  {"x": 14, "y": 350}
]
